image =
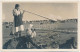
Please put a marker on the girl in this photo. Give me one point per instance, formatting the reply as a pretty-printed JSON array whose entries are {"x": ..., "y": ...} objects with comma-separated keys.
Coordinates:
[{"x": 18, "y": 24}]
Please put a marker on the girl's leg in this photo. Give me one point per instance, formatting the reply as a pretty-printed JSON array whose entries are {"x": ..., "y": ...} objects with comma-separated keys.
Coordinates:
[
  {"x": 17, "y": 29},
  {"x": 21, "y": 28},
  {"x": 15, "y": 32}
]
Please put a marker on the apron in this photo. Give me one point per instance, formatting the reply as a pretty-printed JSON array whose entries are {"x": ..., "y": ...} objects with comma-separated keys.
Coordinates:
[{"x": 18, "y": 20}]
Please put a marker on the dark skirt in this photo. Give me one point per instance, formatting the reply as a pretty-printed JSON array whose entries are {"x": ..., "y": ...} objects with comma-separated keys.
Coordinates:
[{"x": 18, "y": 20}]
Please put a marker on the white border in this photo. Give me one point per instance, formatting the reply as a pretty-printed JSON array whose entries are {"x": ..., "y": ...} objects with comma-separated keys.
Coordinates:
[
  {"x": 70, "y": 1},
  {"x": 0, "y": 25}
]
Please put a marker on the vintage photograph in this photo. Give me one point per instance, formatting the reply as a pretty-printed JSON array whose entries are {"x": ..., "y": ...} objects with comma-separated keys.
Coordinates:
[{"x": 39, "y": 25}]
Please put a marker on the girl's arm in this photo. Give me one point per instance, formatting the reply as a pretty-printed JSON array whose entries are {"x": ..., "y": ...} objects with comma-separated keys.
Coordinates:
[
  {"x": 22, "y": 12},
  {"x": 14, "y": 13}
]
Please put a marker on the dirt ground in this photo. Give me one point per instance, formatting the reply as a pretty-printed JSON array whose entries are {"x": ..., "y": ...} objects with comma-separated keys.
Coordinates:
[{"x": 49, "y": 36}]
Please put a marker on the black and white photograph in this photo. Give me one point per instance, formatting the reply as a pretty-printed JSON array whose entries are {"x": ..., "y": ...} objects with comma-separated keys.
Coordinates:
[{"x": 39, "y": 25}]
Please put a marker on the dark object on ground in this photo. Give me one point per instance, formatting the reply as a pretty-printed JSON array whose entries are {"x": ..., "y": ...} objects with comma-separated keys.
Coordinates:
[
  {"x": 19, "y": 43},
  {"x": 7, "y": 26},
  {"x": 6, "y": 44},
  {"x": 69, "y": 44}
]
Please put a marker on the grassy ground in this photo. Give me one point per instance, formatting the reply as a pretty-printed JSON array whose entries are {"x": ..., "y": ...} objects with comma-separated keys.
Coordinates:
[{"x": 51, "y": 35}]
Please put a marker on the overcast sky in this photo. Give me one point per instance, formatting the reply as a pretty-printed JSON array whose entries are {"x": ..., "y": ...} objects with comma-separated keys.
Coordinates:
[{"x": 50, "y": 10}]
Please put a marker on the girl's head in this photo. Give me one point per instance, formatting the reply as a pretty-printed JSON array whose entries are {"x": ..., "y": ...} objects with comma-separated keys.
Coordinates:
[{"x": 17, "y": 6}]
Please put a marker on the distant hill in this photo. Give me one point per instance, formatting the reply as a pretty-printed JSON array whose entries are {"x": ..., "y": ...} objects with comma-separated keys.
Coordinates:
[
  {"x": 70, "y": 20},
  {"x": 46, "y": 21}
]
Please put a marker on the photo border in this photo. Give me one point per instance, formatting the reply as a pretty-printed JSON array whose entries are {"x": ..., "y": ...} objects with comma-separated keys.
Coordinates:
[{"x": 51, "y": 1}]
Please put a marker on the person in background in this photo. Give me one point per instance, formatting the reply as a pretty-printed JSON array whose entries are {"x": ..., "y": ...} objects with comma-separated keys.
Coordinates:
[{"x": 18, "y": 24}]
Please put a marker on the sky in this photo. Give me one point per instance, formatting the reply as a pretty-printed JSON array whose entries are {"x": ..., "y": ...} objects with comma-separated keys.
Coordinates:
[{"x": 55, "y": 11}]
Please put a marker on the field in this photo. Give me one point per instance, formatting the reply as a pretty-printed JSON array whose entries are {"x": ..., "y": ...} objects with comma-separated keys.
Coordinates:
[{"x": 53, "y": 35}]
